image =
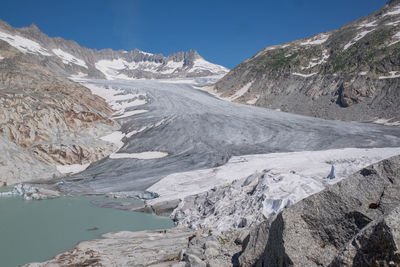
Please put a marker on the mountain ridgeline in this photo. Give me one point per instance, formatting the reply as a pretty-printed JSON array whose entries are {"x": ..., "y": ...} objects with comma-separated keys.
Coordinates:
[
  {"x": 68, "y": 58},
  {"x": 351, "y": 73}
]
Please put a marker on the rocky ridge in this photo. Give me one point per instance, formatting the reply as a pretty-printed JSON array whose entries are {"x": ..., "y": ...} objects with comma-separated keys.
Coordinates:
[
  {"x": 46, "y": 120},
  {"x": 331, "y": 228},
  {"x": 348, "y": 74},
  {"x": 68, "y": 58}
]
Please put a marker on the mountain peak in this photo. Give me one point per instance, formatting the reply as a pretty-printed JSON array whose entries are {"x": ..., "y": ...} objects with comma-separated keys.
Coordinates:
[
  {"x": 34, "y": 27},
  {"x": 393, "y": 2}
]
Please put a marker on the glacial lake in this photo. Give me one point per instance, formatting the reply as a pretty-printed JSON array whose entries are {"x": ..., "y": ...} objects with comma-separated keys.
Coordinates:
[{"x": 36, "y": 231}]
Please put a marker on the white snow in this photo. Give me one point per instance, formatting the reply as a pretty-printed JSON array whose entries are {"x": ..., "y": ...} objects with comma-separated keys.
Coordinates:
[
  {"x": 131, "y": 113},
  {"x": 241, "y": 91},
  {"x": 142, "y": 155},
  {"x": 387, "y": 122},
  {"x": 172, "y": 66},
  {"x": 111, "y": 68},
  {"x": 122, "y": 106},
  {"x": 145, "y": 53},
  {"x": 368, "y": 25},
  {"x": 118, "y": 100},
  {"x": 74, "y": 168},
  {"x": 78, "y": 76},
  {"x": 1, "y": 58},
  {"x": 115, "y": 138},
  {"x": 23, "y": 44},
  {"x": 253, "y": 101},
  {"x": 395, "y": 11},
  {"x": 358, "y": 37},
  {"x": 396, "y": 38},
  {"x": 304, "y": 75},
  {"x": 202, "y": 64},
  {"x": 132, "y": 133},
  {"x": 317, "y": 61},
  {"x": 317, "y": 40},
  {"x": 394, "y": 23},
  {"x": 363, "y": 73},
  {"x": 68, "y": 58},
  {"x": 295, "y": 175},
  {"x": 393, "y": 74}
]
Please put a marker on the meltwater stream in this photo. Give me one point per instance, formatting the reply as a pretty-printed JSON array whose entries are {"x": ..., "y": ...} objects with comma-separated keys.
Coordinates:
[{"x": 35, "y": 231}]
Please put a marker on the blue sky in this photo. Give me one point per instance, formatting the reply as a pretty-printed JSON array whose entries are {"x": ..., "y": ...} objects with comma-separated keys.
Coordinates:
[{"x": 224, "y": 32}]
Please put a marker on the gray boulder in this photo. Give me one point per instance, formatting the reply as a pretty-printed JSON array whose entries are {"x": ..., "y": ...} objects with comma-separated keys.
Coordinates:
[{"x": 317, "y": 230}]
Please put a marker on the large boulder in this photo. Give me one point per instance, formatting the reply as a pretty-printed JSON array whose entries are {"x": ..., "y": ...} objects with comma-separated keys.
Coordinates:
[{"x": 317, "y": 230}]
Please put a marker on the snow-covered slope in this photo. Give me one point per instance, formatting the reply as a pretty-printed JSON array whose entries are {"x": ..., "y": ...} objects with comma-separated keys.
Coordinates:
[{"x": 69, "y": 59}]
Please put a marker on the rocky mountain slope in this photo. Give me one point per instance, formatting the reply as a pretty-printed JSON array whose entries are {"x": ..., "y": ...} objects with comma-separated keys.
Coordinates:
[
  {"x": 46, "y": 120},
  {"x": 349, "y": 74},
  {"x": 67, "y": 58}
]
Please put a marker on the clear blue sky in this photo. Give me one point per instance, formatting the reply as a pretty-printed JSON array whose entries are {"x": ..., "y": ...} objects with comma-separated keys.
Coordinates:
[{"x": 224, "y": 32}]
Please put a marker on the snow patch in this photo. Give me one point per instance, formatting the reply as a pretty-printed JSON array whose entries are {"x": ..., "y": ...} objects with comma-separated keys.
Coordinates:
[
  {"x": 74, "y": 168},
  {"x": 368, "y": 25},
  {"x": 357, "y": 38},
  {"x": 111, "y": 68},
  {"x": 363, "y": 73},
  {"x": 253, "y": 101},
  {"x": 201, "y": 64},
  {"x": 119, "y": 101},
  {"x": 115, "y": 138},
  {"x": 147, "y": 54},
  {"x": 172, "y": 66},
  {"x": 317, "y": 40},
  {"x": 67, "y": 58},
  {"x": 23, "y": 44},
  {"x": 1, "y": 58},
  {"x": 396, "y": 38},
  {"x": 393, "y": 23},
  {"x": 78, "y": 76},
  {"x": 142, "y": 155},
  {"x": 387, "y": 122},
  {"x": 393, "y": 74},
  {"x": 131, "y": 113},
  {"x": 395, "y": 11},
  {"x": 316, "y": 61},
  {"x": 304, "y": 75}
]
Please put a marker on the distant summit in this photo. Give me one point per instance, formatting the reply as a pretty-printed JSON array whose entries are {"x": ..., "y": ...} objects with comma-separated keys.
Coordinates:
[{"x": 68, "y": 58}]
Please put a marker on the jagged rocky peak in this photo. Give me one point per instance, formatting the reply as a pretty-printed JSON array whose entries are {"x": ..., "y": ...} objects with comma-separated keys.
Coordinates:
[
  {"x": 348, "y": 74},
  {"x": 67, "y": 58}
]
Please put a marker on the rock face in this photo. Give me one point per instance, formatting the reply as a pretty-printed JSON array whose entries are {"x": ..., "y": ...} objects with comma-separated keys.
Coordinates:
[
  {"x": 351, "y": 222},
  {"x": 67, "y": 58},
  {"x": 349, "y": 74},
  {"x": 46, "y": 120},
  {"x": 377, "y": 244}
]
